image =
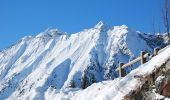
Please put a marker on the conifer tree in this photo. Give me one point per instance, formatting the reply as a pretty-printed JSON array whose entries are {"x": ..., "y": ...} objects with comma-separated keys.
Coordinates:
[
  {"x": 84, "y": 82},
  {"x": 92, "y": 79},
  {"x": 72, "y": 84}
]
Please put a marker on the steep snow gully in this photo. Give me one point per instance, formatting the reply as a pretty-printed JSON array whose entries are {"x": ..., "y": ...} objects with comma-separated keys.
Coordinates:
[{"x": 54, "y": 61}]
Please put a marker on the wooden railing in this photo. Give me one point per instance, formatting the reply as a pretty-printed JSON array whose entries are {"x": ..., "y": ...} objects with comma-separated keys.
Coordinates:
[{"x": 142, "y": 58}]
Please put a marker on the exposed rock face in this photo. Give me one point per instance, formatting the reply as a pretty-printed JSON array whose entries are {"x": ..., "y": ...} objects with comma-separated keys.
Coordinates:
[
  {"x": 166, "y": 90},
  {"x": 166, "y": 86},
  {"x": 158, "y": 83},
  {"x": 162, "y": 85}
]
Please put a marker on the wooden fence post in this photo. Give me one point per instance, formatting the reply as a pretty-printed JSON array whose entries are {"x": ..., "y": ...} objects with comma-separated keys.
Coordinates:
[
  {"x": 156, "y": 51},
  {"x": 143, "y": 60},
  {"x": 121, "y": 70}
]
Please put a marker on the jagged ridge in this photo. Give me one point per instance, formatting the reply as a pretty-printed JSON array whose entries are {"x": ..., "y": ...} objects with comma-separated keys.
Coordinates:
[{"x": 55, "y": 59}]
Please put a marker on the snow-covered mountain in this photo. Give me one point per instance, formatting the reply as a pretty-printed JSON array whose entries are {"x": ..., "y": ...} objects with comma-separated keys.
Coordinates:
[
  {"x": 55, "y": 59},
  {"x": 142, "y": 83}
]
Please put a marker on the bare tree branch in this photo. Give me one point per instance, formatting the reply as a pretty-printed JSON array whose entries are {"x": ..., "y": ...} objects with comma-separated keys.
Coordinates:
[{"x": 166, "y": 16}]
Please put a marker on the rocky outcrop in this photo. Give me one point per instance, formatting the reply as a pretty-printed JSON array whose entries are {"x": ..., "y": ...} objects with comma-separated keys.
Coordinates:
[
  {"x": 157, "y": 83},
  {"x": 162, "y": 84}
]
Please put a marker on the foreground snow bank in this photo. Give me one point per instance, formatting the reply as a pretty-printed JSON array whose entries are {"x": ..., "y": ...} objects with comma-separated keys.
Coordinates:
[{"x": 113, "y": 89}]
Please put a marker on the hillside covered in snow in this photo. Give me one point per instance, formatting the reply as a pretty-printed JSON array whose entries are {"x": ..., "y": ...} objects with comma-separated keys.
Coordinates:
[
  {"x": 122, "y": 88},
  {"x": 56, "y": 64}
]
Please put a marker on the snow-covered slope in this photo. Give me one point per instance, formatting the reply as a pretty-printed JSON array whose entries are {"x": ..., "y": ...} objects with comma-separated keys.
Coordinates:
[
  {"x": 54, "y": 59},
  {"x": 115, "y": 89}
]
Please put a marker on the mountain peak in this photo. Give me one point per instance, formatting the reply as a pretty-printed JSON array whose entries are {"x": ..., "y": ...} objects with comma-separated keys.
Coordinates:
[
  {"x": 101, "y": 25},
  {"x": 121, "y": 27},
  {"x": 60, "y": 62},
  {"x": 51, "y": 32}
]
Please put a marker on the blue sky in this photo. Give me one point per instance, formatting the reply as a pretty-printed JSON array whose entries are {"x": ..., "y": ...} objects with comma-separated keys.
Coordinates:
[{"x": 19, "y": 18}]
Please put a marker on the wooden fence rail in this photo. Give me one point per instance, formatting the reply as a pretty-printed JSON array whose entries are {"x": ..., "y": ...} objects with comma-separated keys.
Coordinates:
[{"x": 142, "y": 58}]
